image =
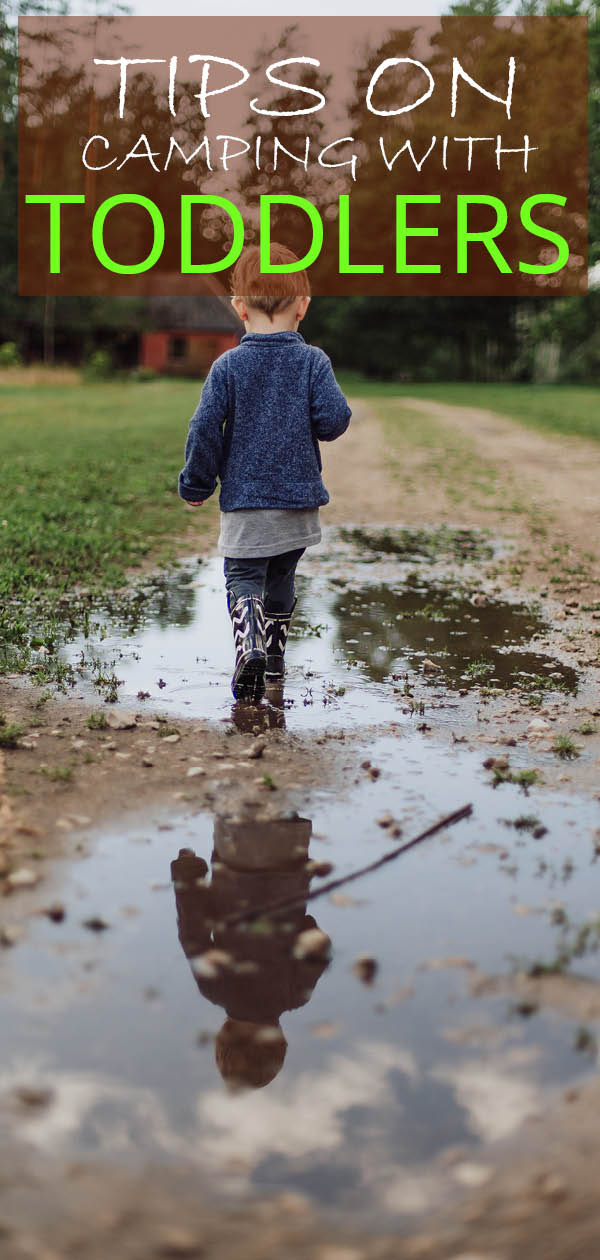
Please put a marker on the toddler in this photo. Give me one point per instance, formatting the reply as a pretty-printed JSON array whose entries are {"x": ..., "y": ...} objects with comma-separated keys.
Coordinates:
[{"x": 264, "y": 408}]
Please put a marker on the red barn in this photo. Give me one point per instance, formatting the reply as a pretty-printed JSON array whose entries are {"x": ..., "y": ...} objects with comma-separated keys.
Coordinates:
[{"x": 187, "y": 334}]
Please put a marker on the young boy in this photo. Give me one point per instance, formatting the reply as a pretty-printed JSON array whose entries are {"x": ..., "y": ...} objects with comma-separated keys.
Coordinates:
[{"x": 264, "y": 408}]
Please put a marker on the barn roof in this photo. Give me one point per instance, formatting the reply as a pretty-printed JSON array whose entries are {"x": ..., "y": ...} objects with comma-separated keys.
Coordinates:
[{"x": 193, "y": 314}]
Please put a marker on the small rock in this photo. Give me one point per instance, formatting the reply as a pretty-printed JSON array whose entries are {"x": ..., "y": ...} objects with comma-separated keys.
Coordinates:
[
  {"x": 33, "y": 1096},
  {"x": 385, "y": 820},
  {"x": 373, "y": 772},
  {"x": 178, "y": 1242},
  {"x": 472, "y": 1175},
  {"x": 334, "y": 1252},
  {"x": 257, "y": 748},
  {"x": 171, "y": 739},
  {"x": 312, "y": 944},
  {"x": 208, "y": 965},
  {"x": 430, "y": 667},
  {"x": 538, "y": 725},
  {"x": 9, "y": 935},
  {"x": 24, "y": 877},
  {"x": 147, "y": 761},
  {"x": 551, "y": 1186},
  {"x": 194, "y": 772},
  {"x": 318, "y": 868},
  {"x": 55, "y": 912},
  {"x": 120, "y": 721},
  {"x": 479, "y": 600},
  {"x": 365, "y": 967},
  {"x": 96, "y": 924}
]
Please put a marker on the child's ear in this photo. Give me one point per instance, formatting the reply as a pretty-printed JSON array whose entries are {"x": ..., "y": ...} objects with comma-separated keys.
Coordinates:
[
  {"x": 302, "y": 307},
  {"x": 240, "y": 309}
]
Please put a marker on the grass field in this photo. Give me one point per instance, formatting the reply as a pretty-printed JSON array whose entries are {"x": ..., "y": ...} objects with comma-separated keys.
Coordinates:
[
  {"x": 89, "y": 483},
  {"x": 89, "y": 480},
  {"x": 88, "y": 488}
]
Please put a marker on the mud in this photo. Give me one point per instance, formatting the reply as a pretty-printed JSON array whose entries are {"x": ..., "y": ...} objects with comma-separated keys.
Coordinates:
[{"x": 208, "y": 1087}]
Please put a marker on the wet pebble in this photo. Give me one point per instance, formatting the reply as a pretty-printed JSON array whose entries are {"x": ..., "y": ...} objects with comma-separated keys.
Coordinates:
[
  {"x": 9, "y": 935},
  {"x": 171, "y": 739},
  {"x": 365, "y": 968},
  {"x": 472, "y": 1175},
  {"x": 312, "y": 944},
  {"x": 257, "y": 748},
  {"x": 208, "y": 965},
  {"x": 178, "y": 1242},
  {"x": 34, "y": 1096},
  {"x": 55, "y": 912},
  {"x": 314, "y": 867},
  {"x": 24, "y": 877},
  {"x": 95, "y": 924},
  {"x": 430, "y": 667},
  {"x": 334, "y": 1252},
  {"x": 120, "y": 721},
  {"x": 194, "y": 772}
]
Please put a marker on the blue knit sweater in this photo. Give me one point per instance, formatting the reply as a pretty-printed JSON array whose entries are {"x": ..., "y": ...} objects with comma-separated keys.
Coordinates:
[{"x": 264, "y": 408}]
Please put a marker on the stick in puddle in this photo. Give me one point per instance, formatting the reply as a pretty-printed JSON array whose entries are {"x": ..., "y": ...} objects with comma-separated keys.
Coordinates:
[{"x": 288, "y": 903}]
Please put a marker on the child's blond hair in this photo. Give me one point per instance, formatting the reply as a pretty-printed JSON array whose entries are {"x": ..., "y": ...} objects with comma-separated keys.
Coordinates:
[{"x": 271, "y": 293}]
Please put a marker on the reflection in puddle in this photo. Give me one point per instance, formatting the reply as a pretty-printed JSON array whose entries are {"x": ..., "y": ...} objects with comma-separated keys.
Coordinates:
[
  {"x": 352, "y": 1093},
  {"x": 252, "y": 972}
]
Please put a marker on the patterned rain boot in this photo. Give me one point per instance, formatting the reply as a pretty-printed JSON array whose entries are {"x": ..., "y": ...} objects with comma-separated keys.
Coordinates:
[
  {"x": 276, "y": 632},
  {"x": 248, "y": 620}
]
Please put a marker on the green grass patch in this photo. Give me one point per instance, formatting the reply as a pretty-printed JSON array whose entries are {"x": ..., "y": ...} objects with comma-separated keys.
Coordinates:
[
  {"x": 10, "y": 733},
  {"x": 88, "y": 491}
]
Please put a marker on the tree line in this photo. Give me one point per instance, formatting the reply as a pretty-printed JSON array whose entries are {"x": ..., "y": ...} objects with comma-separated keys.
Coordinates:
[{"x": 427, "y": 338}]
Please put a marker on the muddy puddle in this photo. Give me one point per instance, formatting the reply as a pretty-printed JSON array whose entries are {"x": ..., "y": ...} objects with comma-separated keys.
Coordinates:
[
  {"x": 143, "y": 1026},
  {"x": 358, "y": 643},
  {"x": 268, "y": 1071}
]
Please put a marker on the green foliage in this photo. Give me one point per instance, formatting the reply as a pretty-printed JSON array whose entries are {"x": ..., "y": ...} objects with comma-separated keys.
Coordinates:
[
  {"x": 88, "y": 488},
  {"x": 9, "y": 355},
  {"x": 10, "y": 733},
  {"x": 99, "y": 366}
]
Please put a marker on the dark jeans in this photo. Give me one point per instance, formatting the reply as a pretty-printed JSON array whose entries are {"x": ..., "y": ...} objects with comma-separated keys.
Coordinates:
[{"x": 269, "y": 577}]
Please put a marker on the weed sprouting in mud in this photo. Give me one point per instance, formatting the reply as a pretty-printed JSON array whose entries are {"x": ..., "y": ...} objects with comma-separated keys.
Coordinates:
[
  {"x": 57, "y": 774},
  {"x": 10, "y": 733},
  {"x": 527, "y": 822},
  {"x": 97, "y": 721},
  {"x": 479, "y": 670},
  {"x": 584, "y": 1041},
  {"x": 502, "y": 772},
  {"x": 565, "y": 747},
  {"x": 577, "y": 941}
]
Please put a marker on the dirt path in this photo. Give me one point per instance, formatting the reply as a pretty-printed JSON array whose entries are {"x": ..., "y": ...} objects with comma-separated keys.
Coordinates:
[{"x": 559, "y": 476}]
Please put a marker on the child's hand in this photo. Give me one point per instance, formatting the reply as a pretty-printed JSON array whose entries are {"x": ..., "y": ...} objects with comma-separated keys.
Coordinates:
[{"x": 191, "y": 505}]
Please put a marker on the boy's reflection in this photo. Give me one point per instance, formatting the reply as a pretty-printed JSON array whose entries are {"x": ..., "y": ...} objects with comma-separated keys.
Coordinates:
[{"x": 253, "y": 863}]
